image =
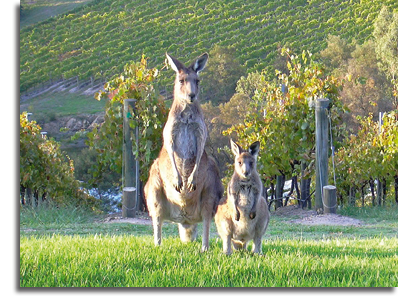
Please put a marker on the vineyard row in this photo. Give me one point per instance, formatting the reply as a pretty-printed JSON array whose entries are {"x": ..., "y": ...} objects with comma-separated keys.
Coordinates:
[{"x": 98, "y": 39}]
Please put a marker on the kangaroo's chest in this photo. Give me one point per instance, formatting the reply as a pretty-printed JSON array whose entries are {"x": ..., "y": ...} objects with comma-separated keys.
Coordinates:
[
  {"x": 187, "y": 129},
  {"x": 245, "y": 195}
]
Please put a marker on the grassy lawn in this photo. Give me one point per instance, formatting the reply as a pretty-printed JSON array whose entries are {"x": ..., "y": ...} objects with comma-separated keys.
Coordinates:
[
  {"x": 40, "y": 10},
  {"x": 67, "y": 247},
  {"x": 126, "y": 260},
  {"x": 62, "y": 104}
]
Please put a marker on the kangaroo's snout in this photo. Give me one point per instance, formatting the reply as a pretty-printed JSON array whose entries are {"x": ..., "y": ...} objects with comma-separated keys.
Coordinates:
[
  {"x": 192, "y": 96},
  {"x": 244, "y": 165}
]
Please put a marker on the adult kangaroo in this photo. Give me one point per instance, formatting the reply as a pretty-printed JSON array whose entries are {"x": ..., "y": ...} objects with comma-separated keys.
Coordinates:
[{"x": 184, "y": 184}]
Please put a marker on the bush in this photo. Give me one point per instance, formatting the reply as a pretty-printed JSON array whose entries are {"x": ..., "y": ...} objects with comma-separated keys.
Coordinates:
[
  {"x": 44, "y": 169},
  {"x": 369, "y": 155}
]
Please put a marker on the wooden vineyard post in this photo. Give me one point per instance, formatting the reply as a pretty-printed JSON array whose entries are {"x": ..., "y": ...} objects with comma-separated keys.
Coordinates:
[
  {"x": 128, "y": 209},
  {"x": 321, "y": 150},
  {"x": 329, "y": 199},
  {"x": 129, "y": 184}
]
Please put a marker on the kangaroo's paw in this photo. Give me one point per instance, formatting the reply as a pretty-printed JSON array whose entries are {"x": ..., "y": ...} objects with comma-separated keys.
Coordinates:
[
  {"x": 191, "y": 187},
  {"x": 204, "y": 249},
  {"x": 237, "y": 215},
  {"x": 191, "y": 184},
  {"x": 178, "y": 183},
  {"x": 227, "y": 252}
]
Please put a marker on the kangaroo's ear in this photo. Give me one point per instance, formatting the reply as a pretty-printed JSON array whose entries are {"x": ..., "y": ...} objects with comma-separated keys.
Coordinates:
[
  {"x": 254, "y": 148},
  {"x": 236, "y": 149},
  {"x": 175, "y": 64},
  {"x": 200, "y": 63}
]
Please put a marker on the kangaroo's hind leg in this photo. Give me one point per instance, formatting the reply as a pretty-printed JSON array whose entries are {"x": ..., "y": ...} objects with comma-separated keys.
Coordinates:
[
  {"x": 157, "y": 230},
  {"x": 156, "y": 201},
  {"x": 210, "y": 198},
  {"x": 226, "y": 244},
  {"x": 206, "y": 233},
  {"x": 207, "y": 205},
  {"x": 257, "y": 242},
  {"x": 261, "y": 226}
]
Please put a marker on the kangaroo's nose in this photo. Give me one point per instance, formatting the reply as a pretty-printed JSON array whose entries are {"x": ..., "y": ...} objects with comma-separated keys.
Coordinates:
[
  {"x": 192, "y": 96},
  {"x": 245, "y": 170}
]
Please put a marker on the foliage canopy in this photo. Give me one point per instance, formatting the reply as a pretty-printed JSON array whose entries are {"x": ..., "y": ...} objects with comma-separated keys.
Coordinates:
[
  {"x": 44, "y": 168},
  {"x": 283, "y": 121},
  {"x": 149, "y": 114}
]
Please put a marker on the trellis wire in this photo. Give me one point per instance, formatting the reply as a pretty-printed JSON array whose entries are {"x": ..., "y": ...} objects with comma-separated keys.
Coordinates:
[{"x": 283, "y": 197}]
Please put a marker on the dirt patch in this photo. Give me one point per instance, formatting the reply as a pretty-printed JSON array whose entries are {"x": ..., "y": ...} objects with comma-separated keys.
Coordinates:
[
  {"x": 328, "y": 219},
  {"x": 304, "y": 217},
  {"x": 294, "y": 210},
  {"x": 142, "y": 218},
  {"x": 310, "y": 217}
]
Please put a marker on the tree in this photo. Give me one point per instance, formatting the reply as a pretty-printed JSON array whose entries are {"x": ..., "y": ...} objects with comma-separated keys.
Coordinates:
[
  {"x": 84, "y": 165},
  {"x": 282, "y": 120},
  {"x": 44, "y": 169},
  {"x": 221, "y": 74},
  {"x": 370, "y": 154},
  {"x": 136, "y": 82},
  {"x": 251, "y": 84},
  {"x": 337, "y": 53},
  {"x": 386, "y": 38},
  {"x": 366, "y": 93},
  {"x": 219, "y": 118},
  {"x": 367, "y": 88}
]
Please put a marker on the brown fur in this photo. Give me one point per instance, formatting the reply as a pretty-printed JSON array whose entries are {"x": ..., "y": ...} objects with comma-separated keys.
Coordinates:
[
  {"x": 184, "y": 184},
  {"x": 243, "y": 215}
]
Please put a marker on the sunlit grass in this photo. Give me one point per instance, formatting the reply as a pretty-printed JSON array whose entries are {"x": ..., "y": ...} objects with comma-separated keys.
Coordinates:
[
  {"x": 72, "y": 247},
  {"x": 63, "y": 104},
  {"x": 122, "y": 261}
]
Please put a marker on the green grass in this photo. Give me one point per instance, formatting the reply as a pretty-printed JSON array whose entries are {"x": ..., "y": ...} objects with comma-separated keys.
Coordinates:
[
  {"x": 68, "y": 247},
  {"x": 50, "y": 215},
  {"x": 62, "y": 104},
  {"x": 40, "y": 10},
  {"x": 129, "y": 261},
  {"x": 372, "y": 214}
]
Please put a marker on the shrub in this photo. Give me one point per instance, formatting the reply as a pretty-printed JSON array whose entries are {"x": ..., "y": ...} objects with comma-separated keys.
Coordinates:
[{"x": 44, "y": 169}]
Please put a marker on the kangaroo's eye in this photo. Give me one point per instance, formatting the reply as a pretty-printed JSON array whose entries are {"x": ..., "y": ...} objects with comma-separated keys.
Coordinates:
[
  {"x": 240, "y": 163},
  {"x": 251, "y": 164},
  {"x": 181, "y": 81},
  {"x": 197, "y": 82}
]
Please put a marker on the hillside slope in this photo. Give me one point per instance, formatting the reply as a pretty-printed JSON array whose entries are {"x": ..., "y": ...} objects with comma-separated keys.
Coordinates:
[
  {"x": 34, "y": 11},
  {"x": 96, "y": 40}
]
